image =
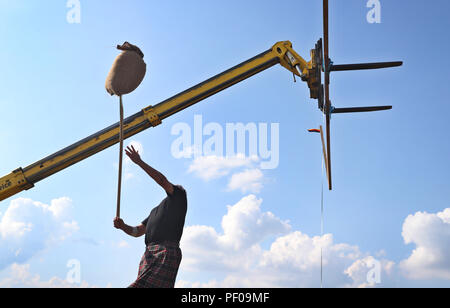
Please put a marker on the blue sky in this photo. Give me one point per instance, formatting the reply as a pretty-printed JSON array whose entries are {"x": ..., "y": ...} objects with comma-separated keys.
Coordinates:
[{"x": 389, "y": 169}]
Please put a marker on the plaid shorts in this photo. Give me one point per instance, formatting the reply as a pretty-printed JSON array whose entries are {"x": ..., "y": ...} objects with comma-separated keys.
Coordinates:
[{"x": 159, "y": 266}]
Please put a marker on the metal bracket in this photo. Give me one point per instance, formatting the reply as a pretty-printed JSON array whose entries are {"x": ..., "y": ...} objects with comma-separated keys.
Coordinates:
[{"x": 152, "y": 116}]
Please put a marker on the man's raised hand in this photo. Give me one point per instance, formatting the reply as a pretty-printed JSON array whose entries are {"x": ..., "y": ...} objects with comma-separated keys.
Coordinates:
[{"x": 133, "y": 154}]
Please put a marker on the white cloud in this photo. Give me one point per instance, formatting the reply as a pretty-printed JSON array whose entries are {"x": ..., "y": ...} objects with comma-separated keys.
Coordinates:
[
  {"x": 128, "y": 171},
  {"x": 20, "y": 277},
  {"x": 213, "y": 167},
  {"x": 431, "y": 235},
  {"x": 293, "y": 259},
  {"x": 368, "y": 272},
  {"x": 137, "y": 146},
  {"x": 60, "y": 208},
  {"x": 28, "y": 227},
  {"x": 121, "y": 244},
  {"x": 244, "y": 226},
  {"x": 249, "y": 180}
]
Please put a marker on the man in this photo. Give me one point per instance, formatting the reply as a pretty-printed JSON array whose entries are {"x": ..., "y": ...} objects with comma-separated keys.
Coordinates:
[{"x": 162, "y": 228}]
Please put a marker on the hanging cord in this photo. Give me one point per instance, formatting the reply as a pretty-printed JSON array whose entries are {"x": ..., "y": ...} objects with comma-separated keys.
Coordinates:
[
  {"x": 322, "y": 212},
  {"x": 321, "y": 227},
  {"x": 119, "y": 187}
]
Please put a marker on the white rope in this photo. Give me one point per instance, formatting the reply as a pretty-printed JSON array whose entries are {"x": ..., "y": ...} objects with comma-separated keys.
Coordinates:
[
  {"x": 321, "y": 227},
  {"x": 322, "y": 213}
]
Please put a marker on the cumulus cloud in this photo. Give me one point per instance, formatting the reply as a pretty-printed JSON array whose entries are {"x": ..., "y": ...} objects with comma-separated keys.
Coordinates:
[
  {"x": 293, "y": 259},
  {"x": 368, "y": 272},
  {"x": 21, "y": 277},
  {"x": 244, "y": 226},
  {"x": 29, "y": 227},
  {"x": 430, "y": 233},
  {"x": 137, "y": 146},
  {"x": 249, "y": 180},
  {"x": 121, "y": 244},
  {"x": 128, "y": 171},
  {"x": 213, "y": 167}
]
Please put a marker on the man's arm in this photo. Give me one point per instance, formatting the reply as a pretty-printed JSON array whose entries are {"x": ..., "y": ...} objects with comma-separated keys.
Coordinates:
[
  {"x": 131, "y": 231},
  {"x": 157, "y": 176}
]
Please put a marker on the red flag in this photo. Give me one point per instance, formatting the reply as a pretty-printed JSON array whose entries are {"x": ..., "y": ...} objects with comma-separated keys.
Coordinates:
[{"x": 314, "y": 130}]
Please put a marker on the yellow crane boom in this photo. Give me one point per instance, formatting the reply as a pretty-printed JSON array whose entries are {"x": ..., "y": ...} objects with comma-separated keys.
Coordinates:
[{"x": 151, "y": 116}]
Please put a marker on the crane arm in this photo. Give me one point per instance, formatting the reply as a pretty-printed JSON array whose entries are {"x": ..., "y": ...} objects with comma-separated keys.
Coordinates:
[{"x": 151, "y": 116}]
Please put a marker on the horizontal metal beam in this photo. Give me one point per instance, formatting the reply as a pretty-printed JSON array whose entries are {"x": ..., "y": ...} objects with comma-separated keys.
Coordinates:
[
  {"x": 361, "y": 109},
  {"x": 364, "y": 66}
]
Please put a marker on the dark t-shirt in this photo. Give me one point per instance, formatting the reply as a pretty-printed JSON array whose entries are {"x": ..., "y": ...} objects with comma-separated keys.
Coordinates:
[{"x": 166, "y": 221}]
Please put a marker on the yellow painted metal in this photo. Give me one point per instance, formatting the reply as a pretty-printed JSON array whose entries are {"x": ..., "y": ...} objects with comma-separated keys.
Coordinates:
[
  {"x": 281, "y": 49},
  {"x": 13, "y": 183},
  {"x": 277, "y": 54},
  {"x": 151, "y": 116}
]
